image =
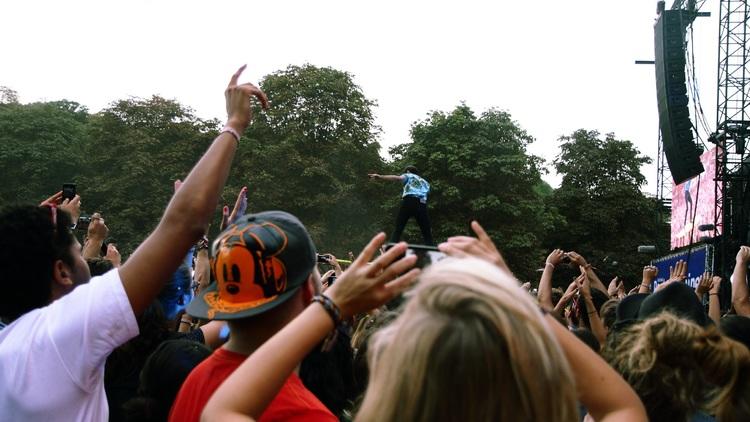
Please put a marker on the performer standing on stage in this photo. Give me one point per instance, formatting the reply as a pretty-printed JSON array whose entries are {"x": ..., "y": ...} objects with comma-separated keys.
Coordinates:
[{"x": 414, "y": 203}]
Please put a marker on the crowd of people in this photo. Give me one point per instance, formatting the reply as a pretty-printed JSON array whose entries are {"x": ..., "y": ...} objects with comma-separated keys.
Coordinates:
[{"x": 256, "y": 324}]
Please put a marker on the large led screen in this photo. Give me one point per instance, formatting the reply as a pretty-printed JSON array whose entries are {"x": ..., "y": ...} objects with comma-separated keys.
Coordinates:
[{"x": 694, "y": 203}]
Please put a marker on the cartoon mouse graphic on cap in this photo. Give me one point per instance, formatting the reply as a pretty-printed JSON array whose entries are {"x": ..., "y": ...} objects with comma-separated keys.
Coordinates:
[{"x": 246, "y": 265}]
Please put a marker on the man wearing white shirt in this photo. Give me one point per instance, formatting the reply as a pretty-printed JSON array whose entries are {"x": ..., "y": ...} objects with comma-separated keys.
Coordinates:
[{"x": 61, "y": 328}]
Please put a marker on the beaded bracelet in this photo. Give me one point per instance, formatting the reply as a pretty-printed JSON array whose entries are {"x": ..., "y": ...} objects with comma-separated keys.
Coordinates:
[{"x": 333, "y": 310}]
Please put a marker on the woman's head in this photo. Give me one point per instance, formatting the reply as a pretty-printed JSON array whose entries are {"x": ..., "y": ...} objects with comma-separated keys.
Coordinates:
[
  {"x": 469, "y": 345},
  {"x": 679, "y": 368}
]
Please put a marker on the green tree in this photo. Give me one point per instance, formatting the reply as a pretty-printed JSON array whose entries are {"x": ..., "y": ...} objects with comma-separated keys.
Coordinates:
[
  {"x": 310, "y": 153},
  {"x": 8, "y": 96},
  {"x": 606, "y": 216},
  {"x": 137, "y": 148},
  {"x": 479, "y": 168},
  {"x": 41, "y": 147}
]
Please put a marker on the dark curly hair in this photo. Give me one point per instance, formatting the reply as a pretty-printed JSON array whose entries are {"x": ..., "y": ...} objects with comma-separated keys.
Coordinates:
[{"x": 29, "y": 246}]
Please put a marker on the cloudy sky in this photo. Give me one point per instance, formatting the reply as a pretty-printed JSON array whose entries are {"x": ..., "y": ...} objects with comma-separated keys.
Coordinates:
[{"x": 556, "y": 66}]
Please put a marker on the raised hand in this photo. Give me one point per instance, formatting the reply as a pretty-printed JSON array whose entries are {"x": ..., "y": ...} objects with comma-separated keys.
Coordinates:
[
  {"x": 584, "y": 284},
  {"x": 52, "y": 200},
  {"x": 113, "y": 255},
  {"x": 704, "y": 285},
  {"x": 238, "y": 102},
  {"x": 335, "y": 264},
  {"x": 373, "y": 176},
  {"x": 224, "y": 218},
  {"x": 743, "y": 255},
  {"x": 570, "y": 292},
  {"x": 715, "y": 285},
  {"x": 71, "y": 206},
  {"x": 366, "y": 285},
  {"x": 97, "y": 229},
  {"x": 324, "y": 280},
  {"x": 95, "y": 236},
  {"x": 577, "y": 259},
  {"x": 481, "y": 247},
  {"x": 240, "y": 206},
  {"x": 621, "y": 290},
  {"x": 650, "y": 272},
  {"x": 613, "y": 287},
  {"x": 678, "y": 272},
  {"x": 555, "y": 257}
]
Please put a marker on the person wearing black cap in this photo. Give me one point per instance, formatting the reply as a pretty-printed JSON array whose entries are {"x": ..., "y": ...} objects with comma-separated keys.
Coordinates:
[
  {"x": 414, "y": 203},
  {"x": 679, "y": 299}
]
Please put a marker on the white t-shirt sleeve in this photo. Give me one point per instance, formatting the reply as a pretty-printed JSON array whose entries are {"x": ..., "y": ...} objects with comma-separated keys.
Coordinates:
[{"x": 88, "y": 323}]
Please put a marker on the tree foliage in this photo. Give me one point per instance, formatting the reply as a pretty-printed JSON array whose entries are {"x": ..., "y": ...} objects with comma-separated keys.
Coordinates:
[
  {"x": 310, "y": 154},
  {"x": 41, "y": 147},
  {"x": 479, "y": 168},
  {"x": 136, "y": 149},
  {"x": 606, "y": 216}
]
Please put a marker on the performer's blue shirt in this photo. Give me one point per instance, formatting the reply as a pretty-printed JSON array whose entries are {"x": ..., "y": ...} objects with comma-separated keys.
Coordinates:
[{"x": 416, "y": 186}]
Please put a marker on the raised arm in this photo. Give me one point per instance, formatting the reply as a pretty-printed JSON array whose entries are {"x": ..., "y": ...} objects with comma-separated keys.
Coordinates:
[
  {"x": 649, "y": 275},
  {"x": 597, "y": 326},
  {"x": 95, "y": 235},
  {"x": 703, "y": 286},
  {"x": 191, "y": 207},
  {"x": 740, "y": 295},
  {"x": 570, "y": 292},
  {"x": 545, "y": 283},
  {"x": 361, "y": 287},
  {"x": 714, "y": 307},
  {"x": 596, "y": 283},
  {"x": 391, "y": 177}
]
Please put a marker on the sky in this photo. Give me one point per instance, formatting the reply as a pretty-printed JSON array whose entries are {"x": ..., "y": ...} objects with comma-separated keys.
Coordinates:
[{"x": 555, "y": 66}]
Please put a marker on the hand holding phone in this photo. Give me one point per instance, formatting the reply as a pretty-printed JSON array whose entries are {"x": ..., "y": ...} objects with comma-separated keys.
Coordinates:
[
  {"x": 426, "y": 255},
  {"x": 68, "y": 191}
]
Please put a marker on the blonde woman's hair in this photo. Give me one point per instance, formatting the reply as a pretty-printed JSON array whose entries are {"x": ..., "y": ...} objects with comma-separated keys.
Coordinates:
[
  {"x": 679, "y": 368},
  {"x": 470, "y": 345}
]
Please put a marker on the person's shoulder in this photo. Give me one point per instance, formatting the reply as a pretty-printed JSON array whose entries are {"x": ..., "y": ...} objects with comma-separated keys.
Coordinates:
[{"x": 23, "y": 328}]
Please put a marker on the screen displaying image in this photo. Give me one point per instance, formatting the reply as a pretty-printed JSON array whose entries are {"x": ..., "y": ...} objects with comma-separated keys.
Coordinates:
[{"x": 695, "y": 198}]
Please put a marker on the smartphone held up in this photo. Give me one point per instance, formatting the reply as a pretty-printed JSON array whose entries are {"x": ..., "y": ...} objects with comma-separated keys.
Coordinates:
[{"x": 426, "y": 255}]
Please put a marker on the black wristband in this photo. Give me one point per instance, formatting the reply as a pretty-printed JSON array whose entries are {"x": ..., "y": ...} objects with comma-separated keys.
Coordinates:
[{"x": 333, "y": 310}]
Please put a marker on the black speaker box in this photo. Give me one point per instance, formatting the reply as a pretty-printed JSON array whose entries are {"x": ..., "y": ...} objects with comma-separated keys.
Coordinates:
[{"x": 683, "y": 156}]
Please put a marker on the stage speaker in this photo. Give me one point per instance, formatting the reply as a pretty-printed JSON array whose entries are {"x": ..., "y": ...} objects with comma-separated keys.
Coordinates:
[{"x": 683, "y": 155}]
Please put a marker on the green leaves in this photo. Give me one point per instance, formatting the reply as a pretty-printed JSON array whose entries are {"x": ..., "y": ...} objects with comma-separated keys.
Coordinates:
[
  {"x": 40, "y": 148},
  {"x": 600, "y": 198},
  {"x": 479, "y": 169},
  {"x": 310, "y": 154}
]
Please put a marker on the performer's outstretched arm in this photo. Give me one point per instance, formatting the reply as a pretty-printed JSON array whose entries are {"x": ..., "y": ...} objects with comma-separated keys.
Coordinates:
[{"x": 391, "y": 177}]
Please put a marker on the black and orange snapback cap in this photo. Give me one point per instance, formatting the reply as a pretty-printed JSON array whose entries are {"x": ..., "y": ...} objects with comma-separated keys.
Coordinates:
[{"x": 258, "y": 263}]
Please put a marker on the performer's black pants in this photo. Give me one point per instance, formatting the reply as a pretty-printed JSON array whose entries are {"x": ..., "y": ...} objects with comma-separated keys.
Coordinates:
[{"x": 412, "y": 207}]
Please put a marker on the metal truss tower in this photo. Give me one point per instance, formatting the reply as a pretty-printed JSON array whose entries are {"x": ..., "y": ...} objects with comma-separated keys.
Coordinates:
[{"x": 732, "y": 125}]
